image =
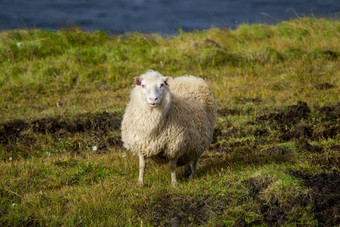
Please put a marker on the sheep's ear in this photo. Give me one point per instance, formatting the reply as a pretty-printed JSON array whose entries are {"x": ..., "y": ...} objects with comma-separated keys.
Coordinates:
[
  {"x": 167, "y": 80},
  {"x": 138, "y": 81}
]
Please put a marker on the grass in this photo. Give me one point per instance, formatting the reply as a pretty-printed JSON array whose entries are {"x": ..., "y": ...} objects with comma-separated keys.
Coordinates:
[{"x": 274, "y": 160}]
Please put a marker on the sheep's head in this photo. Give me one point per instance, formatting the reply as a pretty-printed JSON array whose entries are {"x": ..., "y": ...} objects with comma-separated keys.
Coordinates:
[{"x": 153, "y": 85}]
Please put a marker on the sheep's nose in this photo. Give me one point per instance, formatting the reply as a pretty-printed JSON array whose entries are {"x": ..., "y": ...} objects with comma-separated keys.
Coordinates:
[{"x": 153, "y": 99}]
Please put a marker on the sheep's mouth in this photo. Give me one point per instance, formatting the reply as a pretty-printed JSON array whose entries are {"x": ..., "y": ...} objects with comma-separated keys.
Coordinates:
[{"x": 153, "y": 104}]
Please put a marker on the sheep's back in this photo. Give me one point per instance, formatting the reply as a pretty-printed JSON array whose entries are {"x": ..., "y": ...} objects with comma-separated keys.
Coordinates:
[{"x": 191, "y": 87}]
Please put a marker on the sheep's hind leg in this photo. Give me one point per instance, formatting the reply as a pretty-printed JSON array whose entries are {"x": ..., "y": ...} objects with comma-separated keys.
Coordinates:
[
  {"x": 142, "y": 163},
  {"x": 187, "y": 171},
  {"x": 173, "y": 165},
  {"x": 194, "y": 169}
]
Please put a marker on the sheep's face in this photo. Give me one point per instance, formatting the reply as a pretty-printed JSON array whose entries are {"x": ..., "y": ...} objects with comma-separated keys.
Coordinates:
[{"x": 153, "y": 87}]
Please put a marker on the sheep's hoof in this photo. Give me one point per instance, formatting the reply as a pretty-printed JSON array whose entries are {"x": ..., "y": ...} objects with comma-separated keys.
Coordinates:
[
  {"x": 140, "y": 183},
  {"x": 174, "y": 184},
  {"x": 192, "y": 176}
]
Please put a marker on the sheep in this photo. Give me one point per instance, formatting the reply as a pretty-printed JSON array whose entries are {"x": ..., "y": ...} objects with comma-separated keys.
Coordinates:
[{"x": 169, "y": 120}]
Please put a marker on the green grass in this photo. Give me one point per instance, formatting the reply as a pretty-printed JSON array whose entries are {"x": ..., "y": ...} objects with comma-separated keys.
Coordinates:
[{"x": 64, "y": 92}]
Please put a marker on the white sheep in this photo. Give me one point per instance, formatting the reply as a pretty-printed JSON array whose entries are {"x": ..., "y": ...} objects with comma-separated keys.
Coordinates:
[{"x": 169, "y": 120}]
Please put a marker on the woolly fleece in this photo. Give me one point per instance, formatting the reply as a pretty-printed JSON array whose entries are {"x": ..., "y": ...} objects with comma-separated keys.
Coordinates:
[{"x": 181, "y": 127}]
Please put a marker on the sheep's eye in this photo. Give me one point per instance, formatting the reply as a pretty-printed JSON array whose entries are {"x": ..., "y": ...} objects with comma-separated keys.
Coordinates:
[
  {"x": 162, "y": 85},
  {"x": 143, "y": 86}
]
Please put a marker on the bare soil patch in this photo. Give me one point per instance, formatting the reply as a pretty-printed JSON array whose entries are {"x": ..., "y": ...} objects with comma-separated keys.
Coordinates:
[
  {"x": 288, "y": 117},
  {"x": 182, "y": 210},
  {"x": 333, "y": 55},
  {"x": 324, "y": 86},
  {"x": 12, "y": 130},
  {"x": 242, "y": 223},
  {"x": 273, "y": 213},
  {"x": 95, "y": 124},
  {"x": 99, "y": 123},
  {"x": 256, "y": 185},
  {"x": 306, "y": 146},
  {"x": 325, "y": 196},
  {"x": 296, "y": 122},
  {"x": 330, "y": 112}
]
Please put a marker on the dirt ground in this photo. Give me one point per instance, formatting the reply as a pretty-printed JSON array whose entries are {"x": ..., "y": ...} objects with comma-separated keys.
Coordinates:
[{"x": 102, "y": 129}]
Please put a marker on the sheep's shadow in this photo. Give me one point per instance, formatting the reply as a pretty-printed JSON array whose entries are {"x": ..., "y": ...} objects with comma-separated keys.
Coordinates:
[{"x": 213, "y": 165}]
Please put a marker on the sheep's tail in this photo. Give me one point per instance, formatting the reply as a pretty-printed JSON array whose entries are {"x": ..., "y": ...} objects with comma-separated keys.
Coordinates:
[{"x": 196, "y": 88}]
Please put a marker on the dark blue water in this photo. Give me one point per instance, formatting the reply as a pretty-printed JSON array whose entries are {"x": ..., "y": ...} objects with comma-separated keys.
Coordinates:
[{"x": 161, "y": 16}]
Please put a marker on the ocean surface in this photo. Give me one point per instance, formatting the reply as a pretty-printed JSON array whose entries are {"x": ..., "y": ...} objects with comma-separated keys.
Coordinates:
[{"x": 160, "y": 16}]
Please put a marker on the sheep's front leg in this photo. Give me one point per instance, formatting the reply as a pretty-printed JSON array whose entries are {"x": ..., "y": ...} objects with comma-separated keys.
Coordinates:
[
  {"x": 142, "y": 163},
  {"x": 173, "y": 165}
]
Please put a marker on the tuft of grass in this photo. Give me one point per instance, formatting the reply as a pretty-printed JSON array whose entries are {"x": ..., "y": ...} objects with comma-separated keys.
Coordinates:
[{"x": 277, "y": 87}]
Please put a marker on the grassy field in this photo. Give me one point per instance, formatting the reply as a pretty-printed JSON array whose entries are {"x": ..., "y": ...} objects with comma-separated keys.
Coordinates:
[{"x": 275, "y": 155}]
